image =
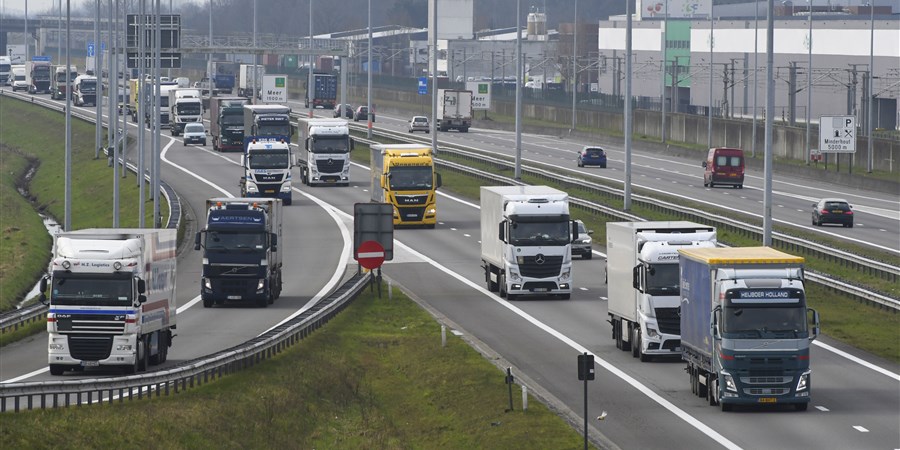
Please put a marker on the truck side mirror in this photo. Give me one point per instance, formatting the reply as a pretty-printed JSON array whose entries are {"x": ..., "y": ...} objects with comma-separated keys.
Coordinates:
[
  {"x": 43, "y": 287},
  {"x": 636, "y": 277},
  {"x": 437, "y": 180},
  {"x": 574, "y": 225},
  {"x": 714, "y": 322},
  {"x": 142, "y": 298},
  {"x": 274, "y": 242},
  {"x": 197, "y": 240},
  {"x": 306, "y": 143},
  {"x": 352, "y": 144},
  {"x": 141, "y": 286},
  {"x": 815, "y": 328},
  {"x": 501, "y": 231}
]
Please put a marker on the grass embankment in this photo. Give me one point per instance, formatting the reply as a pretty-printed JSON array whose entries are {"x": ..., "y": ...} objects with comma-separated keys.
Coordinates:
[
  {"x": 375, "y": 377},
  {"x": 29, "y": 132},
  {"x": 873, "y": 329}
]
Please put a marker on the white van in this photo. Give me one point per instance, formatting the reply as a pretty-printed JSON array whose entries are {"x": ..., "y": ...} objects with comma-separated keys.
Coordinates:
[{"x": 17, "y": 78}]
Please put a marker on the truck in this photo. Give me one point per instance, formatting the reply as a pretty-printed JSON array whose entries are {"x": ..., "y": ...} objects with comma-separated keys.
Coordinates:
[
  {"x": 268, "y": 120},
  {"x": 149, "y": 91},
  {"x": 37, "y": 76},
  {"x": 642, "y": 283},
  {"x": 84, "y": 90},
  {"x": 5, "y": 67},
  {"x": 325, "y": 158},
  {"x": 17, "y": 78},
  {"x": 58, "y": 81},
  {"x": 526, "y": 241},
  {"x": 223, "y": 76},
  {"x": 185, "y": 106},
  {"x": 403, "y": 175},
  {"x": 226, "y": 123},
  {"x": 745, "y": 326},
  {"x": 112, "y": 298},
  {"x": 324, "y": 91},
  {"x": 241, "y": 257},
  {"x": 454, "y": 110},
  {"x": 267, "y": 167},
  {"x": 246, "y": 80}
]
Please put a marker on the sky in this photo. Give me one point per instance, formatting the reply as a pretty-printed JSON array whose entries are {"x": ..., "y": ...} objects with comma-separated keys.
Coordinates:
[{"x": 17, "y": 7}]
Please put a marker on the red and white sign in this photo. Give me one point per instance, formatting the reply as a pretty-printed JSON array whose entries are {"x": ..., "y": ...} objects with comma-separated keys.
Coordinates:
[{"x": 370, "y": 254}]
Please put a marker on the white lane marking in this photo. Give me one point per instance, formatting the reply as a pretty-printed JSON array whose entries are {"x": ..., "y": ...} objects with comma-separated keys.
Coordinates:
[
  {"x": 26, "y": 376},
  {"x": 860, "y": 428},
  {"x": 822, "y": 408},
  {"x": 198, "y": 177},
  {"x": 583, "y": 288},
  {"x": 467, "y": 235},
  {"x": 857, "y": 360}
]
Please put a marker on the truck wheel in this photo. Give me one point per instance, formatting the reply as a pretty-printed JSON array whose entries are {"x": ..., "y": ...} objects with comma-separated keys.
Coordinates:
[
  {"x": 464, "y": 130},
  {"x": 615, "y": 333},
  {"x": 57, "y": 369},
  {"x": 725, "y": 407},
  {"x": 501, "y": 288},
  {"x": 701, "y": 388},
  {"x": 801, "y": 406},
  {"x": 207, "y": 302},
  {"x": 565, "y": 296},
  {"x": 144, "y": 359},
  {"x": 158, "y": 358},
  {"x": 262, "y": 302},
  {"x": 287, "y": 202},
  {"x": 635, "y": 344},
  {"x": 588, "y": 255},
  {"x": 711, "y": 392},
  {"x": 693, "y": 376}
]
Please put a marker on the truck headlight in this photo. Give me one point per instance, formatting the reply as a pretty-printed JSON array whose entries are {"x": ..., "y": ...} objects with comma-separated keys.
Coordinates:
[
  {"x": 207, "y": 284},
  {"x": 729, "y": 382},
  {"x": 286, "y": 187},
  {"x": 565, "y": 274},
  {"x": 251, "y": 187},
  {"x": 261, "y": 284},
  {"x": 514, "y": 276},
  {"x": 803, "y": 383},
  {"x": 124, "y": 348},
  {"x": 432, "y": 211},
  {"x": 56, "y": 347},
  {"x": 652, "y": 333}
]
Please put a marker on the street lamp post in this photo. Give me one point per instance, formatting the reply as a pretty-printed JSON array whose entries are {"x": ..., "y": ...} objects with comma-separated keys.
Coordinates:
[
  {"x": 67, "y": 221},
  {"x": 662, "y": 67},
  {"x": 755, "y": 71},
  {"x": 808, "y": 86},
  {"x": 871, "y": 159},
  {"x": 711, "y": 44},
  {"x": 574, "y": 65},
  {"x": 369, "y": 79}
]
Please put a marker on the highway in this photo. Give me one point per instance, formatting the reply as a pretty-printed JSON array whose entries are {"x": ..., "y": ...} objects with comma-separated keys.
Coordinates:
[{"x": 856, "y": 402}]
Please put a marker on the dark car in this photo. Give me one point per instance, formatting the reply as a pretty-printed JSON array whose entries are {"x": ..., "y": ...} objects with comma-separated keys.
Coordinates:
[
  {"x": 832, "y": 210},
  {"x": 361, "y": 113},
  {"x": 592, "y": 156},
  {"x": 348, "y": 111},
  {"x": 582, "y": 245}
]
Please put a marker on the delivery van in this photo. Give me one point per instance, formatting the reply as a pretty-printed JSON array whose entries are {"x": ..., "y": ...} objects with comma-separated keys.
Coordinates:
[{"x": 724, "y": 167}]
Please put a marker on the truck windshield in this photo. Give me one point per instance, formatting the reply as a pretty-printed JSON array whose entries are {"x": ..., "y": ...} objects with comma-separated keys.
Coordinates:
[
  {"x": 269, "y": 159},
  {"x": 189, "y": 109},
  {"x": 663, "y": 279},
  {"x": 88, "y": 86},
  {"x": 535, "y": 233},
  {"x": 273, "y": 129},
  {"x": 229, "y": 240},
  {"x": 91, "y": 289},
  {"x": 42, "y": 74},
  {"x": 230, "y": 120},
  {"x": 761, "y": 313},
  {"x": 5, "y": 67},
  {"x": 330, "y": 144},
  {"x": 411, "y": 178}
]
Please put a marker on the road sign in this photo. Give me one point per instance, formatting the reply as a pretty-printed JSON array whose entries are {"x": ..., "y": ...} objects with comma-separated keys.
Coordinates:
[
  {"x": 370, "y": 255},
  {"x": 423, "y": 86},
  {"x": 481, "y": 94},
  {"x": 274, "y": 89},
  {"x": 90, "y": 49},
  {"x": 40, "y": 58},
  {"x": 837, "y": 134}
]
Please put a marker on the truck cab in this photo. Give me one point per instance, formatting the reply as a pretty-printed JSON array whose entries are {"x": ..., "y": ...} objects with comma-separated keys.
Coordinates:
[
  {"x": 403, "y": 175},
  {"x": 325, "y": 158},
  {"x": 84, "y": 90},
  {"x": 267, "y": 168},
  {"x": 58, "y": 82}
]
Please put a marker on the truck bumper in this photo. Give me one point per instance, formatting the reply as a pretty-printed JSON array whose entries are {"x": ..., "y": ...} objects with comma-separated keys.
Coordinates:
[
  {"x": 221, "y": 290},
  {"x": 89, "y": 351},
  {"x": 768, "y": 390}
]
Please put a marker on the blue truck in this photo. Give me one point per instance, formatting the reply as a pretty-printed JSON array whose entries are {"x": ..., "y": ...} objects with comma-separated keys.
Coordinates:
[
  {"x": 324, "y": 91},
  {"x": 745, "y": 326},
  {"x": 241, "y": 257}
]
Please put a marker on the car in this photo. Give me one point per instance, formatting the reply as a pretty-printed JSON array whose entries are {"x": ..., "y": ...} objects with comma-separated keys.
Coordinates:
[
  {"x": 582, "y": 245},
  {"x": 419, "y": 123},
  {"x": 195, "y": 133},
  {"x": 361, "y": 113},
  {"x": 592, "y": 156},
  {"x": 832, "y": 210},
  {"x": 348, "y": 111}
]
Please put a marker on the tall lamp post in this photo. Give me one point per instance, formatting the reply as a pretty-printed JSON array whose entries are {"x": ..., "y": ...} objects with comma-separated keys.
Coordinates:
[
  {"x": 711, "y": 44},
  {"x": 574, "y": 65},
  {"x": 808, "y": 86},
  {"x": 662, "y": 67},
  {"x": 871, "y": 159}
]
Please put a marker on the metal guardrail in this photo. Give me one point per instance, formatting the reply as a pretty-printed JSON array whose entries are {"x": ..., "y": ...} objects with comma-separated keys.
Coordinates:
[
  {"x": 859, "y": 263},
  {"x": 52, "y": 394}
]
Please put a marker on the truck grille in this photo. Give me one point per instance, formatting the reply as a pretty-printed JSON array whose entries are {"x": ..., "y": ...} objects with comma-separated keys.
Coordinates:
[
  {"x": 767, "y": 391},
  {"x": 412, "y": 214},
  {"x": 541, "y": 286},
  {"x": 90, "y": 323},
  {"x": 671, "y": 344},
  {"x": 235, "y": 286},
  {"x": 268, "y": 189},
  {"x": 225, "y": 271},
  {"x": 766, "y": 380},
  {"x": 548, "y": 268},
  {"x": 669, "y": 320},
  {"x": 403, "y": 200},
  {"x": 90, "y": 348},
  {"x": 269, "y": 178},
  {"x": 329, "y": 165}
]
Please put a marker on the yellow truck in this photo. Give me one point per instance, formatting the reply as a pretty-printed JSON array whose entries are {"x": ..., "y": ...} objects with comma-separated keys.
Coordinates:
[
  {"x": 134, "y": 92},
  {"x": 403, "y": 175}
]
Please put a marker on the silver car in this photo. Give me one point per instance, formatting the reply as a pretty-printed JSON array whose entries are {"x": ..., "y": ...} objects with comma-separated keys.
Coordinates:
[
  {"x": 419, "y": 123},
  {"x": 582, "y": 245}
]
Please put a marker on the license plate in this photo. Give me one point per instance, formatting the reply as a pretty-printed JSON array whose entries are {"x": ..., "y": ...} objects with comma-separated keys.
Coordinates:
[
  {"x": 732, "y": 174},
  {"x": 270, "y": 191},
  {"x": 677, "y": 349},
  {"x": 90, "y": 363},
  {"x": 768, "y": 400},
  {"x": 837, "y": 212},
  {"x": 234, "y": 297},
  {"x": 540, "y": 290}
]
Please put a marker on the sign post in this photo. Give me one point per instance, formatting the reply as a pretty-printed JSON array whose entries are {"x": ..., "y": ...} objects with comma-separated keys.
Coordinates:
[
  {"x": 585, "y": 373},
  {"x": 423, "y": 86}
]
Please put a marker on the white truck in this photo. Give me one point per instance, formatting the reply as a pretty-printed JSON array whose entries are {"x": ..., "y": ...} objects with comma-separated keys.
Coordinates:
[
  {"x": 246, "y": 80},
  {"x": 58, "y": 82},
  {"x": 642, "y": 283},
  {"x": 112, "y": 298},
  {"x": 149, "y": 91},
  {"x": 267, "y": 168},
  {"x": 84, "y": 90},
  {"x": 454, "y": 110},
  {"x": 5, "y": 67},
  {"x": 325, "y": 158},
  {"x": 185, "y": 106},
  {"x": 526, "y": 240}
]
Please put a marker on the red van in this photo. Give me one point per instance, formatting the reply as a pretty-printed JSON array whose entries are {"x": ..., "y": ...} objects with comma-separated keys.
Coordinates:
[{"x": 724, "y": 166}]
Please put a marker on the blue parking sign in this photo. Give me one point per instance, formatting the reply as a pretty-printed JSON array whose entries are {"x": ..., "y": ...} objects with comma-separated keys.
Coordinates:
[{"x": 423, "y": 86}]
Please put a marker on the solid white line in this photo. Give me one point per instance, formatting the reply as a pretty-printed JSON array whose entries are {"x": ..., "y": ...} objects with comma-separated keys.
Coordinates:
[
  {"x": 857, "y": 360},
  {"x": 822, "y": 408},
  {"x": 860, "y": 428},
  {"x": 26, "y": 376}
]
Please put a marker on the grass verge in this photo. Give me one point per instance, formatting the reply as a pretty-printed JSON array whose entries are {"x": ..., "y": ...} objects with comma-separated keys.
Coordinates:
[
  {"x": 34, "y": 133},
  {"x": 376, "y": 377}
]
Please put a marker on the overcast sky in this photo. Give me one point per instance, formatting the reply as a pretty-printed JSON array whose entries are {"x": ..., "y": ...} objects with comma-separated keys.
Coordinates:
[{"x": 17, "y": 7}]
